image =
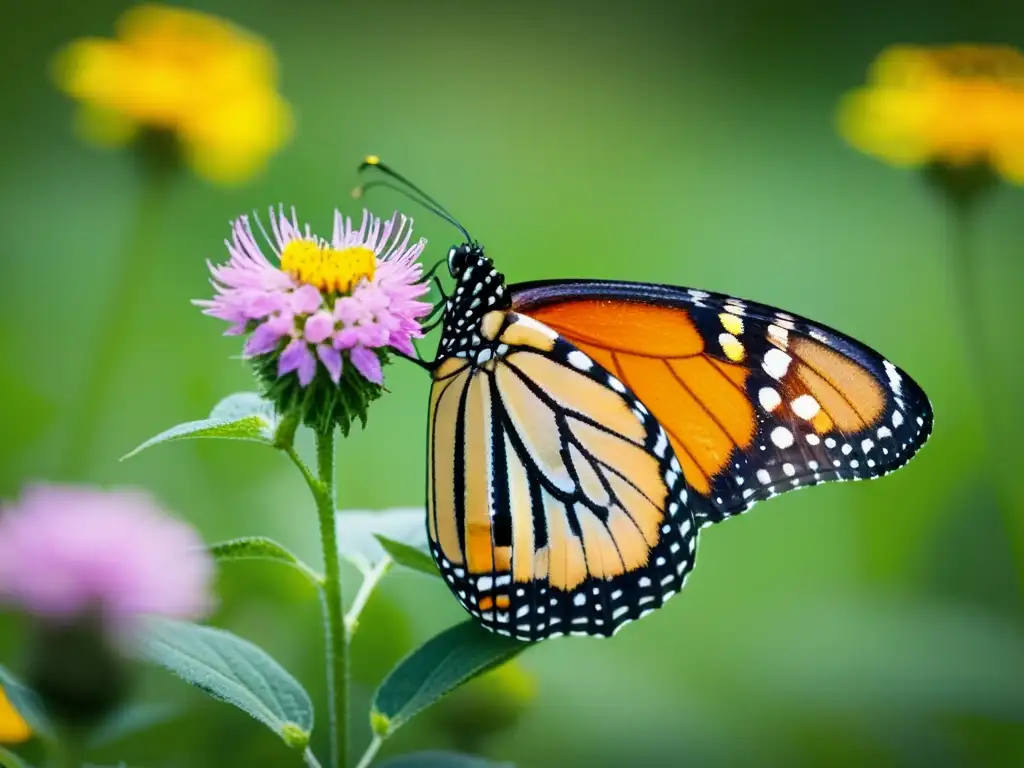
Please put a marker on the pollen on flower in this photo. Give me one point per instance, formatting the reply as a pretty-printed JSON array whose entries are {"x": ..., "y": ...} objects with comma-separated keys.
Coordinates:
[{"x": 330, "y": 270}]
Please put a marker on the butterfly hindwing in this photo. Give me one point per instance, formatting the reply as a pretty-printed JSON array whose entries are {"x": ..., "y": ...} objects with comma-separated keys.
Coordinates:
[
  {"x": 556, "y": 504},
  {"x": 756, "y": 401}
]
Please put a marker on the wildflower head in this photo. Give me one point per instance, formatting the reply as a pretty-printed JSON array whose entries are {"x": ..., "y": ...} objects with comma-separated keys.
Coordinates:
[
  {"x": 207, "y": 83},
  {"x": 85, "y": 565},
  {"x": 322, "y": 315},
  {"x": 957, "y": 106},
  {"x": 66, "y": 551}
]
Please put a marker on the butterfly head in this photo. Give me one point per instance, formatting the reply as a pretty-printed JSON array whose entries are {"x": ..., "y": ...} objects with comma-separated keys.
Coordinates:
[
  {"x": 479, "y": 289},
  {"x": 466, "y": 256}
]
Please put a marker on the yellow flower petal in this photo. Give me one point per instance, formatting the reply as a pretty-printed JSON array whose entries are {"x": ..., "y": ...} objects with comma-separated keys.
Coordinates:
[
  {"x": 233, "y": 140},
  {"x": 958, "y": 105},
  {"x": 887, "y": 124},
  {"x": 13, "y": 728},
  {"x": 183, "y": 71}
]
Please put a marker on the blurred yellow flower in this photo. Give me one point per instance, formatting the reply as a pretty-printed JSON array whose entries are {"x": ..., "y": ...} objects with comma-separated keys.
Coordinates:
[
  {"x": 208, "y": 83},
  {"x": 958, "y": 105},
  {"x": 13, "y": 729}
]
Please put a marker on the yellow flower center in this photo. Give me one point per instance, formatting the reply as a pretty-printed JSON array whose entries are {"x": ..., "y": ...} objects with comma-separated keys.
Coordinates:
[{"x": 328, "y": 269}]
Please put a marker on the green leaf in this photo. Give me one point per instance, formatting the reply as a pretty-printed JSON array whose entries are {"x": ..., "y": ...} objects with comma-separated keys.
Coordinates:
[
  {"x": 436, "y": 668},
  {"x": 409, "y": 556},
  {"x": 28, "y": 704},
  {"x": 440, "y": 759},
  {"x": 358, "y": 532},
  {"x": 132, "y": 719},
  {"x": 260, "y": 548},
  {"x": 10, "y": 760},
  {"x": 233, "y": 670},
  {"x": 242, "y": 416}
]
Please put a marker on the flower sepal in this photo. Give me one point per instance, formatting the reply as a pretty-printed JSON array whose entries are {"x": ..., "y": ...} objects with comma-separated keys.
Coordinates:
[
  {"x": 322, "y": 402},
  {"x": 80, "y": 675}
]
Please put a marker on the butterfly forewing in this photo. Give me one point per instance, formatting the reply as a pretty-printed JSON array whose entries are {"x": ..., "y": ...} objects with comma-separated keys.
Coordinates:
[
  {"x": 556, "y": 503},
  {"x": 755, "y": 401}
]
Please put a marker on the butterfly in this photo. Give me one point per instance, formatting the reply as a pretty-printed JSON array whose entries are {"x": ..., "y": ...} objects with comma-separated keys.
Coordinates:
[{"x": 582, "y": 432}]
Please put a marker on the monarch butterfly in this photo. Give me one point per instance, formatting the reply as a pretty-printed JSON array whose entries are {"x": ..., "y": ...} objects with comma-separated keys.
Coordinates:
[{"x": 581, "y": 432}]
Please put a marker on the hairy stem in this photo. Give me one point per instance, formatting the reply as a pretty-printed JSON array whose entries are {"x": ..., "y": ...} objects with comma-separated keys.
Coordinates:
[{"x": 336, "y": 636}]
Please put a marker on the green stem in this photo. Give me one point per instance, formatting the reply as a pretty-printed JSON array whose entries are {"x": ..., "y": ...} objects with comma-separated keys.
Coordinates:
[
  {"x": 336, "y": 637},
  {"x": 370, "y": 581},
  {"x": 371, "y": 752},
  {"x": 119, "y": 312},
  {"x": 972, "y": 321}
]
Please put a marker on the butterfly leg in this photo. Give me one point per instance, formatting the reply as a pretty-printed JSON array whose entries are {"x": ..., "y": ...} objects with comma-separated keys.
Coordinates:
[{"x": 425, "y": 365}]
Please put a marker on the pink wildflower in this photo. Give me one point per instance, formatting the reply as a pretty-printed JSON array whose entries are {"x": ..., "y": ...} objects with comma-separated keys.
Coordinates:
[
  {"x": 324, "y": 303},
  {"x": 68, "y": 550}
]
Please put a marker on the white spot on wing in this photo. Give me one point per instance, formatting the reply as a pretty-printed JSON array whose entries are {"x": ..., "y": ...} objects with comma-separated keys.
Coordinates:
[
  {"x": 782, "y": 437},
  {"x": 769, "y": 398},
  {"x": 806, "y": 407},
  {"x": 579, "y": 360},
  {"x": 776, "y": 363}
]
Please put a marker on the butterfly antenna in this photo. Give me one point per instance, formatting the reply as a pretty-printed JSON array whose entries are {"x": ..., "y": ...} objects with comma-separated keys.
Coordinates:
[{"x": 409, "y": 189}]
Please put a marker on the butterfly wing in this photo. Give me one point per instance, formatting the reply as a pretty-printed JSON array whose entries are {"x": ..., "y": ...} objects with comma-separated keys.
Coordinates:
[
  {"x": 555, "y": 502},
  {"x": 755, "y": 401}
]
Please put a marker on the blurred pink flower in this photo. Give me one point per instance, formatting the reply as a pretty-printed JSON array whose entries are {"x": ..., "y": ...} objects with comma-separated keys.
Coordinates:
[
  {"x": 348, "y": 298},
  {"x": 65, "y": 550}
]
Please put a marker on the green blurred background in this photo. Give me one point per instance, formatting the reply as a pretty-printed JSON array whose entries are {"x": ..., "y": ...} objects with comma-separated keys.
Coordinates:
[{"x": 692, "y": 143}]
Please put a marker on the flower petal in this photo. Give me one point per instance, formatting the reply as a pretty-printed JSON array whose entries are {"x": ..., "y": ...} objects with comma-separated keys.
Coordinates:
[
  {"x": 331, "y": 358},
  {"x": 403, "y": 343},
  {"x": 368, "y": 364},
  {"x": 264, "y": 339},
  {"x": 305, "y": 300},
  {"x": 296, "y": 357},
  {"x": 319, "y": 327}
]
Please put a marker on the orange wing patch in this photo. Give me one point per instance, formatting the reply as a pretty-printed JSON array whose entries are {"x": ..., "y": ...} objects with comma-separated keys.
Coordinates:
[
  {"x": 850, "y": 395},
  {"x": 624, "y": 326},
  {"x": 659, "y": 353},
  {"x": 755, "y": 401}
]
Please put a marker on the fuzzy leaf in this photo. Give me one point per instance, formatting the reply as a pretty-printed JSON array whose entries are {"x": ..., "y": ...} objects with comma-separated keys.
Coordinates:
[
  {"x": 409, "y": 556},
  {"x": 435, "y": 669},
  {"x": 242, "y": 416},
  {"x": 233, "y": 670},
  {"x": 441, "y": 759},
  {"x": 358, "y": 531},
  {"x": 27, "y": 703},
  {"x": 260, "y": 548}
]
